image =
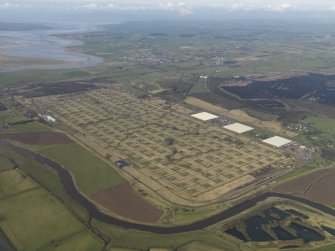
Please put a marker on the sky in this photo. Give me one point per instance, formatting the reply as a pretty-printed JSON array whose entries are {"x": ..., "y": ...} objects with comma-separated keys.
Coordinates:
[{"x": 11, "y": 9}]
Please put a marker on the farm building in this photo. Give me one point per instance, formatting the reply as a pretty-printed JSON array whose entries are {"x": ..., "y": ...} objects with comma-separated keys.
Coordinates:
[
  {"x": 121, "y": 163},
  {"x": 277, "y": 141},
  {"x": 204, "y": 116},
  {"x": 47, "y": 118},
  {"x": 238, "y": 128}
]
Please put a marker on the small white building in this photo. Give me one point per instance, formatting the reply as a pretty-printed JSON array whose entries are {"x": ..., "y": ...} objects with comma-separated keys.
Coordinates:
[{"x": 47, "y": 118}]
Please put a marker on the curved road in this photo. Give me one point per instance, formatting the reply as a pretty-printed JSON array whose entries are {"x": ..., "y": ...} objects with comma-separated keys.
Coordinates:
[{"x": 95, "y": 213}]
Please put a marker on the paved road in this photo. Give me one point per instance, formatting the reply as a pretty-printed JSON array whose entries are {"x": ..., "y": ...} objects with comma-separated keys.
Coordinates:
[{"x": 95, "y": 213}]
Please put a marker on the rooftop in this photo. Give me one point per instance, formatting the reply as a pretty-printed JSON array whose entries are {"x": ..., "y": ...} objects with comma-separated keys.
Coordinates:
[
  {"x": 204, "y": 116},
  {"x": 277, "y": 141},
  {"x": 238, "y": 128}
]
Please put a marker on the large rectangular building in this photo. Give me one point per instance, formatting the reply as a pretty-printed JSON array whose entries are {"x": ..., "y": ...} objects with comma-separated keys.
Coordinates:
[
  {"x": 204, "y": 116},
  {"x": 277, "y": 141},
  {"x": 238, "y": 128}
]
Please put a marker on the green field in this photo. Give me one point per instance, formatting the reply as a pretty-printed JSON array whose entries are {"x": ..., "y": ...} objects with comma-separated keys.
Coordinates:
[
  {"x": 46, "y": 177},
  {"x": 8, "y": 78},
  {"x": 11, "y": 116},
  {"x": 91, "y": 173},
  {"x": 295, "y": 173},
  {"x": 32, "y": 219},
  {"x": 5, "y": 164},
  {"x": 31, "y": 127},
  {"x": 200, "y": 86},
  {"x": 327, "y": 248},
  {"x": 327, "y": 125},
  {"x": 132, "y": 239},
  {"x": 13, "y": 182}
]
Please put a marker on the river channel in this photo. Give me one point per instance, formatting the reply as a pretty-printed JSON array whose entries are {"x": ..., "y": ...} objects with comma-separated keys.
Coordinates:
[{"x": 95, "y": 213}]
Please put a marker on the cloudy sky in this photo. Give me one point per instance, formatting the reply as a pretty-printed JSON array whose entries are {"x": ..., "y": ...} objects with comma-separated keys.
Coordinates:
[{"x": 182, "y": 8}]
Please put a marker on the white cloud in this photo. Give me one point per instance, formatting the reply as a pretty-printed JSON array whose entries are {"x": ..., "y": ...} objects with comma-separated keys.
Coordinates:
[
  {"x": 167, "y": 6},
  {"x": 182, "y": 8},
  {"x": 91, "y": 6},
  {"x": 238, "y": 6},
  {"x": 109, "y": 6},
  {"x": 279, "y": 7},
  {"x": 7, "y": 5}
]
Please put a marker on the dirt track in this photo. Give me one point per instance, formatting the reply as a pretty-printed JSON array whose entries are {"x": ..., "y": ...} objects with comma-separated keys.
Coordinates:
[
  {"x": 317, "y": 186},
  {"x": 124, "y": 201},
  {"x": 37, "y": 138}
]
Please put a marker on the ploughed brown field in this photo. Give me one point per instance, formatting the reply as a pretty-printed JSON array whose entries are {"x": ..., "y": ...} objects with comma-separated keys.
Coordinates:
[
  {"x": 38, "y": 138},
  {"x": 124, "y": 201},
  {"x": 317, "y": 186}
]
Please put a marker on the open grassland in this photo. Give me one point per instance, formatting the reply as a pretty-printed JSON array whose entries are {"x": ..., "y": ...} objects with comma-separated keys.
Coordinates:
[
  {"x": 13, "y": 182},
  {"x": 296, "y": 172},
  {"x": 5, "y": 164},
  {"x": 198, "y": 246},
  {"x": 29, "y": 127},
  {"x": 327, "y": 125},
  {"x": 91, "y": 173},
  {"x": 136, "y": 240},
  {"x": 44, "y": 176},
  {"x": 33, "y": 219},
  {"x": 9, "y": 78},
  {"x": 83, "y": 241},
  {"x": 173, "y": 154},
  {"x": 327, "y": 248},
  {"x": 11, "y": 116}
]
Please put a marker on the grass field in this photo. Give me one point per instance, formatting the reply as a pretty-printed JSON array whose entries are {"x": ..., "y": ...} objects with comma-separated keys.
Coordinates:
[
  {"x": 83, "y": 241},
  {"x": 11, "y": 116},
  {"x": 91, "y": 173},
  {"x": 327, "y": 248},
  {"x": 143, "y": 241},
  {"x": 295, "y": 173},
  {"x": 327, "y": 125},
  {"x": 31, "y": 127},
  {"x": 5, "y": 164},
  {"x": 8, "y": 78},
  {"x": 200, "y": 86},
  {"x": 47, "y": 178},
  {"x": 28, "y": 127},
  {"x": 34, "y": 220},
  {"x": 13, "y": 182}
]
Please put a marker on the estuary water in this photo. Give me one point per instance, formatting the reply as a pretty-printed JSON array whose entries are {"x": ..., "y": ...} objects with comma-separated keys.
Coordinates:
[{"x": 44, "y": 44}]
